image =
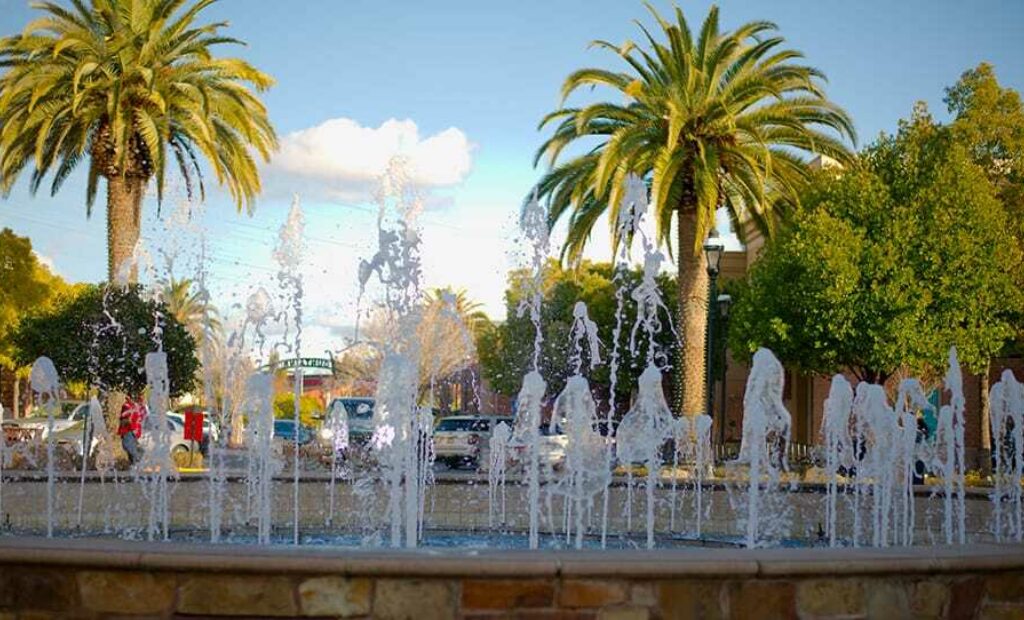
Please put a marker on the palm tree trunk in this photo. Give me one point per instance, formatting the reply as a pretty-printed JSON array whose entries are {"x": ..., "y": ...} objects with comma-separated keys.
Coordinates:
[
  {"x": 692, "y": 321},
  {"x": 124, "y": 221},
  {"x": 124, "y": 209}
]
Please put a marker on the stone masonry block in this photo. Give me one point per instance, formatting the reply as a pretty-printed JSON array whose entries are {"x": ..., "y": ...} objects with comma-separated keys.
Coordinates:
[
  {"x": 126, "y": 592},
  {"x": 592, "y": 593},
  {"x": 237, "y": 595},
  {"x": 413, "y": 599},
  {"x": 507, "y": 593},
  {"x": 830, "y": 597},
  {"x": 335, "y": 596}
]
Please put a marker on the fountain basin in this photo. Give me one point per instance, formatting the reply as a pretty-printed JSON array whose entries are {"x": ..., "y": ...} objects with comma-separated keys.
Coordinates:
[
  {"x": 457, "y": 502},
  {"x": 96, "y": 578}
]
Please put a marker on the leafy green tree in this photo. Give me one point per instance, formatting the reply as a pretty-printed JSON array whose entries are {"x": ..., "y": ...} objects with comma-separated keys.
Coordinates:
[
  {"x": 134, "y": 88},
  {"x": 26, "y": 286},
  {"x": 720, "y": 119},
  {"x": 989, "y": 121},
  {"x": 101, "y": 337},
  {"x": 506, "y": 349},
  {"x": 887, "y": 265}
]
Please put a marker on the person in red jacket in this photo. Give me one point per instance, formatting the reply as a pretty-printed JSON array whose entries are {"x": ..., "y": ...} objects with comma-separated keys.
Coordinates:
[{"x": 133, "y": 412}]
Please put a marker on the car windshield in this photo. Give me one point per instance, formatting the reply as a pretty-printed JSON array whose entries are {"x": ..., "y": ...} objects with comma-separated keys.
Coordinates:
[
  {"x": 361, "y": 409},
  {"x": 465, "y": 424},
  {"x": 358, "y": 409}
]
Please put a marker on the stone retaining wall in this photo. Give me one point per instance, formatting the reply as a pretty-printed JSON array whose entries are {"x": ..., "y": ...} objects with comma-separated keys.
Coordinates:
[{"x": 104, "y": 579}]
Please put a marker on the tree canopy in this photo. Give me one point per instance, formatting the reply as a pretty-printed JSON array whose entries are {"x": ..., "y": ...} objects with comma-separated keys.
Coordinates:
[
  {"x": 134, "y": 88},
  {"x": 27, "y": 286},
  {"x": 506, "y": 349},
  {"x": 710, "y": 118},
  {"x": 888, "y": 264},
  {"x": 989, "y": 122},
  {"x": 445, "y": 336},
  {"x": 101, "y": 337},
  {"x": 129, "y": 90}
]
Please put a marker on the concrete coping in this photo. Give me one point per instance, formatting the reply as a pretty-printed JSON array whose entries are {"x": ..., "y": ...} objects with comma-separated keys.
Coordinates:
[
  {"x": 93, "y": 553},
  {"x": 451, "y": 478}
]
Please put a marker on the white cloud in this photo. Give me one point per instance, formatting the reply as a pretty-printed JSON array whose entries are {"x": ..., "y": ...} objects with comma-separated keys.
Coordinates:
[
  {"x": 47, "y": 262},
  {"x": 342, "y": 159}
]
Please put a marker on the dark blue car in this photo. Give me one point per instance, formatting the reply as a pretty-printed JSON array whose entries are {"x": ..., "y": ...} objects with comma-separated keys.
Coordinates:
[{"x": 284, "y": 430}]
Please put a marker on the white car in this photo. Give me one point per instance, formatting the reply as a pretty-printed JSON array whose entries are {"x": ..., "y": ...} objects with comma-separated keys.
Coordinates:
[
  {"x": 551, "y": 447},
  {"x": 460, "y": 440},
  {"x": 38, "y": 425},
  {"x": 210, "y": 432},
  {"x": 176, "y": 436}
]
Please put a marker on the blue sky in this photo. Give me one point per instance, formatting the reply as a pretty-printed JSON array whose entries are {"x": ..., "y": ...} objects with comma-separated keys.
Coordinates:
[{"x": 485, "y": 72}]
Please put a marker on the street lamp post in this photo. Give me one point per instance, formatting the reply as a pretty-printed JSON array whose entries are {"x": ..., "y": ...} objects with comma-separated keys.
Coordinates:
[
  {"x": 713, "y": 250},
  {"x": 724, "y": 301}
]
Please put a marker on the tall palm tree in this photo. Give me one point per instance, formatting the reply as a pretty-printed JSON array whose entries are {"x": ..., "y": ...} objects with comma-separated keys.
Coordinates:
[
  {"x": 134, "y": 88},
  {"x": 469, "y": 312},
  {"x": 192, "y": 309},
  {"x": 720, "y": 120}
]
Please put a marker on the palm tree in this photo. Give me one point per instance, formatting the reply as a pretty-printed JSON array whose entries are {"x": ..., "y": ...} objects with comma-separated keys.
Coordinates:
[
  {"x": 717, "y": 121},
  {"x": 458, "y": 302},
  {"x": 192, "y": 309},
  {"x": 134, "y": 88}
]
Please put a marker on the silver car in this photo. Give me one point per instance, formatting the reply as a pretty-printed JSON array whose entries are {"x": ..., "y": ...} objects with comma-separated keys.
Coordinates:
[{"x": 460, "y": 440}]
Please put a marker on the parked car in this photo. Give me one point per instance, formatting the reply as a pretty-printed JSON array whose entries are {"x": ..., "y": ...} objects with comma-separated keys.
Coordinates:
[
  {"x": 284, "y": 431},
  {"x": 460, "y": 440},
  {"x": 37, "y": 424},
  {"x": 210, "y": 432},
  {"x": 176, "y": 435},
  {"x": 356, "y": 413},
  {"x": 551, "y": 448}
]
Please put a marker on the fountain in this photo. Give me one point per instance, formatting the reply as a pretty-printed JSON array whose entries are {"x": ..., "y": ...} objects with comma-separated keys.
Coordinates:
[
  {"x": 585, "y": 472},
  {"x": 1007, "y": 420},
  {"x": 46, "y": 384},
  {"x": 863, "y": 490},
  {"x": 766, "y": 435}
]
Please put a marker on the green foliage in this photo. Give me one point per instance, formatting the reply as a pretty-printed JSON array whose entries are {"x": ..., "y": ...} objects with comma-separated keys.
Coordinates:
[
  {"x": 506, "y": 350},
  {"x": 989, "y": 122},
  {"x": 887, "y": 265},
  {"x": 193, "y": 309},
  {"x": 713, "y": 120},
  {"x": 102, "y": 335},
  {"x": 26, "y": 286},
  {"x": 284, "y": 408},
  {"x": 135, "y": 88}
]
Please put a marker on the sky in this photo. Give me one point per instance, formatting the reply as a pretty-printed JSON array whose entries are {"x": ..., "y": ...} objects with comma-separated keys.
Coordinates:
[{"x": 458, "y": 87}]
